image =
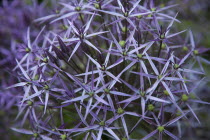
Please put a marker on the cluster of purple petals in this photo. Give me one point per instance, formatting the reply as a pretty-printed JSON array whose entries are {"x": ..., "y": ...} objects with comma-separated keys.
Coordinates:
[
  {"x": 15, "y": 17},
  {"x": 107, "y": 69}
]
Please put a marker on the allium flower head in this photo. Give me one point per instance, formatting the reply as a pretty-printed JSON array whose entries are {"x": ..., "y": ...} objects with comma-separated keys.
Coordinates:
[{"x": 116, "y": 71}]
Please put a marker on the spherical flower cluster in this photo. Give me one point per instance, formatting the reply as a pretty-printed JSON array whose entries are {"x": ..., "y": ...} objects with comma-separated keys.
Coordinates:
[{"x": 108, "y": 70}]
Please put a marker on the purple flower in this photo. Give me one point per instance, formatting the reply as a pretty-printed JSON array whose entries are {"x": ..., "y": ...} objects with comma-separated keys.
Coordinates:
[{"x": 106, "y": 70}]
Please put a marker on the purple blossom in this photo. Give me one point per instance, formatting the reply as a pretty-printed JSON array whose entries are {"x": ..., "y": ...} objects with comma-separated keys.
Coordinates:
[{"x": 106, "y": 70}]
